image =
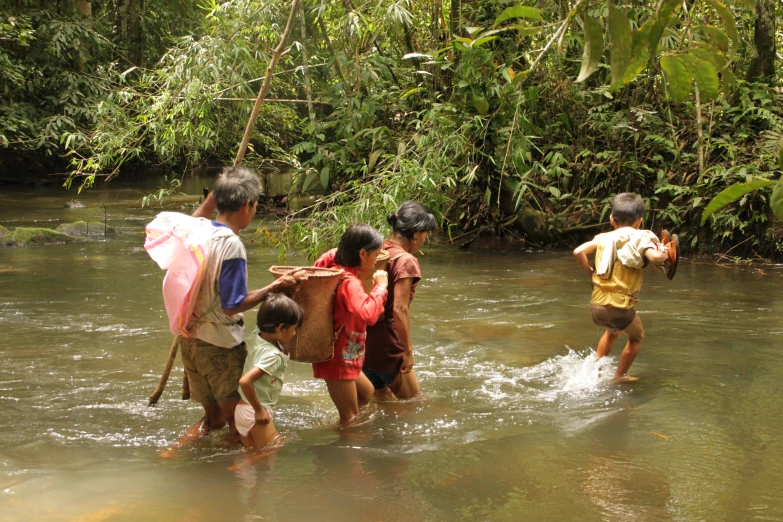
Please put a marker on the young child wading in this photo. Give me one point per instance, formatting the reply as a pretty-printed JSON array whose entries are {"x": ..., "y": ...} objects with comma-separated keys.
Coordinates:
[
  {"x": 264, "y": 373},
  {"x": 353, "y": 311},
  {"x": 620, "y": 256}
]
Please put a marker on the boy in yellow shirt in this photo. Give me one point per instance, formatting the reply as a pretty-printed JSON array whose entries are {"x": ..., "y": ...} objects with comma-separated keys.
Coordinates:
[{"x": 620, "y": 256}]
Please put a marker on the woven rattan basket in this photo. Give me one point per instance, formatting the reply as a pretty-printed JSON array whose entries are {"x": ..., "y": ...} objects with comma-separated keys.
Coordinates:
[
  {"x": 314, "y": 340},
  {"x": 380, "y": 264}
]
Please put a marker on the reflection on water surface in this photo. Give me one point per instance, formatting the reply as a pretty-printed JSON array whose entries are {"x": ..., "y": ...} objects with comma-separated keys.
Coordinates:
[{"x": 516, "y": 421}]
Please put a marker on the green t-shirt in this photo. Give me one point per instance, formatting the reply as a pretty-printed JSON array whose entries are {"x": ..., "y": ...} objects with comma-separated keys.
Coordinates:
[{"x": 273, "y": 362}]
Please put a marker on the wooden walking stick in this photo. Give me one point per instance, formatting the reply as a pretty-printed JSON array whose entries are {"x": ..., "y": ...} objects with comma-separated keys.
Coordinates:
[
  {"x": 166, "y": 371},
  {"x": 278, "y": 52}
]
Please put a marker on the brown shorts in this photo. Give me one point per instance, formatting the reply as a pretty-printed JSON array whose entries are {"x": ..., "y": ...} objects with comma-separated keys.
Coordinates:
[
  {"x": 611, "y": 317},
  {"x": 213, "y": 371}
]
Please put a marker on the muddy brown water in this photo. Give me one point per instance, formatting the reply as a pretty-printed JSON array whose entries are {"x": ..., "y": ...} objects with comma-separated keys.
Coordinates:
[{"x": 514, "y": 423}]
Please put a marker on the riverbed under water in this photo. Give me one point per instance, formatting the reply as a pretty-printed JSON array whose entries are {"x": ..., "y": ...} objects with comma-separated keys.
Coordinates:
[{"x": 515, "y": 422}]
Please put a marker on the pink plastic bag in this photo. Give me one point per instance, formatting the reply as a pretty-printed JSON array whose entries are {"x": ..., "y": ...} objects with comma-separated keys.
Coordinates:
[{"x": 179, "y": 244}]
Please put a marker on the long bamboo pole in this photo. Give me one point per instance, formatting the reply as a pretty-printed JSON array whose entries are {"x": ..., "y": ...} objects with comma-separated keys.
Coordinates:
[{"x": 278, "y": 52}]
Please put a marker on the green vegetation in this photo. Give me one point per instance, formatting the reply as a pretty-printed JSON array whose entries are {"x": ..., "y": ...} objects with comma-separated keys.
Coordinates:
[
  {"x": 23, "y": 236},
  {"x": 505, "y": 117}
]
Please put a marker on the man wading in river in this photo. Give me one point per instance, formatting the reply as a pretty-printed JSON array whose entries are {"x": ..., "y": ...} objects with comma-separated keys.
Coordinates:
[{"x": 214, "y": 356}]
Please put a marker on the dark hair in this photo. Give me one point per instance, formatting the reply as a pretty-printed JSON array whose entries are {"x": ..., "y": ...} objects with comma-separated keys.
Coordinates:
[
  {"x": 235, "y": 187},
  {"x": 410, "y": 218},
  {"x": 627, "y": 208},
  {"x": 354, "y": 240},
  {"x": 277, "y": 309}
]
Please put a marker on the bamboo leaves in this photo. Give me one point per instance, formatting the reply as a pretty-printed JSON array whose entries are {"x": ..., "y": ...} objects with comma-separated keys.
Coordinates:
[{"x": 594, "y": 48}]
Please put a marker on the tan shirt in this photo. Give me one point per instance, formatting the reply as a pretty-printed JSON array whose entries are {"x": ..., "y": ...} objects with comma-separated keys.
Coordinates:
[{"x": 623, "y": 249}]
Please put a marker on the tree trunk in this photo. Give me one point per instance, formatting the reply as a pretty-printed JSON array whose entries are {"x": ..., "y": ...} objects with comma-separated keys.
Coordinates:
[
  {"x": 305, "y": 65},
  {"x": 437, "y": 6},
  {"x": 454, "y": 23},
  {"x": 135, "y": 40},
  {"x": 84, "y": 8},
  {"x": 762, "y": 67}
]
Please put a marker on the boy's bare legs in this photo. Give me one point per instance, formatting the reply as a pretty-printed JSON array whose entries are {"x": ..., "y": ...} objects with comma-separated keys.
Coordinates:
[
  {"x": 260, "y": 437},
  {"x": 635, "y": 333},
  {"x": 606, "y": 342}
]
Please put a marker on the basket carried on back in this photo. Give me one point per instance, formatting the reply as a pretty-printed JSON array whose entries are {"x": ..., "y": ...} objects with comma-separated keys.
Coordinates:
[
  {"x": 314, "y": 340},
  {"x": 380, "y": 264}
]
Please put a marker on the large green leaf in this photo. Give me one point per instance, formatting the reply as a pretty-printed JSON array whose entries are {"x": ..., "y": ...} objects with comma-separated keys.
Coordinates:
[
  {"x": 481, "y": 105},
  {"x": 728, "y": 21},
  {"x": 776, "y": 201},
  {"x": 666, "y": 9},
  {"x": 325, "y": 177},
  {"x": 733, "y": 193},
  {"x": 640, "y": 54},
  {"x": 705, "y": 74},
  {"x": 519, "y": 11},
  {"x": 622, "y": 44},
  {"x": 727, "y": 80},
  {"x": 707, "y": 52},
  {"x": 308, "y": 180},
  {"x": 717, "y": 36},
  {"x": 678, "y": 78},
  {"x": 594, "y": 48}
]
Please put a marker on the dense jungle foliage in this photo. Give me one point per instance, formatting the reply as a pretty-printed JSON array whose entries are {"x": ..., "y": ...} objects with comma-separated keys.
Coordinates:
[{"x": 519, "y": 117}]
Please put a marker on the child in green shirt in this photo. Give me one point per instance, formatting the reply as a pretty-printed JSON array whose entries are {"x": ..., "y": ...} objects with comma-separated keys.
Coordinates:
[{"x": 263, "y": 375}]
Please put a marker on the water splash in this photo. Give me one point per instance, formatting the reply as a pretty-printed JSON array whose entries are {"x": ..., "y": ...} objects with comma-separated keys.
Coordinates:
[{"x": 575, "y": 374}]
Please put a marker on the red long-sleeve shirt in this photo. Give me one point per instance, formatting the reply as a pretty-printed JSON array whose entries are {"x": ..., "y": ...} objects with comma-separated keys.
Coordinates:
[{"x": 353, "y": 311}]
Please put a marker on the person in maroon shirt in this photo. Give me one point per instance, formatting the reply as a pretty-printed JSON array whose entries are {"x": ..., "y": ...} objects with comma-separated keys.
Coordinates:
[{"x": 388, "y": 362}]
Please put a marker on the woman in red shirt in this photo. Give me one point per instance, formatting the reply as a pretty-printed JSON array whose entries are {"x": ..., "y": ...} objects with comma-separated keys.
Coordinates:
[
  {"x": 389, "y": 361},
  {"x": 353, "y": 311}
]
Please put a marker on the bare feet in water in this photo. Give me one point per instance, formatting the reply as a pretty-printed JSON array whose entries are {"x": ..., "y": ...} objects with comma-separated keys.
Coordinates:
[{"x": 625, "y": 378}]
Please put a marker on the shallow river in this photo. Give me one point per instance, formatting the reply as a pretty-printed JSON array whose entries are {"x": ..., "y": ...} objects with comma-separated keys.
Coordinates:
[{"x": 514, "y": 423}]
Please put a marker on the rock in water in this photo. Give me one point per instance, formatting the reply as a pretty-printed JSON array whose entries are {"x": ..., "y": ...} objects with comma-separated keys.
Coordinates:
[
  {"x": 74, "y": 203},
  {"x": 23, "y": 236},
  {"x": 84, "y": 228}
]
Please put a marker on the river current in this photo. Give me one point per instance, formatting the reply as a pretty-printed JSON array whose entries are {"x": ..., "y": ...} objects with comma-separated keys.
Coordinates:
[{"x": 515, "y": 422}]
